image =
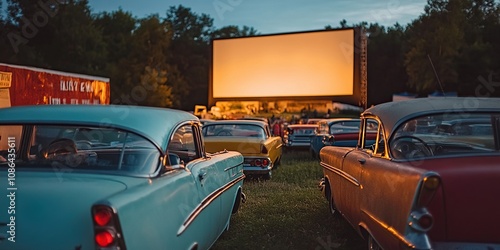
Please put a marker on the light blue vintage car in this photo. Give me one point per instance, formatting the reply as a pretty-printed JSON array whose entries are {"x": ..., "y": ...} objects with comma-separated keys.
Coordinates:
[{"x": 112, "y": 177}]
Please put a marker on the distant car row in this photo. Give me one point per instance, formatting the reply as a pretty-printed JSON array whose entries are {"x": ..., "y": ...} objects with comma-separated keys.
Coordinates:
[{"x": 341, "y": 132}]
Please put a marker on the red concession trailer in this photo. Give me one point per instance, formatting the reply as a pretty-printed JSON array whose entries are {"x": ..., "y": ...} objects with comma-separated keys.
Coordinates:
[{"x": 21, "y": 85}]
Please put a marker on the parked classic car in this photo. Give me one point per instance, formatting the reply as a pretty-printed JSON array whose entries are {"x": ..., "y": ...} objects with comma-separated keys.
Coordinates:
[
  {"x": 298, "y": 136},
  {"x": 112, "y": 177},
  {"x": 314, "y": 120},
  {"x": 262, "y": 152},
  {"x": 342, "y": 132},
  {"x": 418, "y": 189}
]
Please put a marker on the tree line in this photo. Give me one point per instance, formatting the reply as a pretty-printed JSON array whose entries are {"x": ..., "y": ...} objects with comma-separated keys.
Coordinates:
[{"x": 454, "y": 45}]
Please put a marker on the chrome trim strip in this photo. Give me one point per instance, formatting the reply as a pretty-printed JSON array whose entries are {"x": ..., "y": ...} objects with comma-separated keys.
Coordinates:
[
  {"x": 341, "y": 173},
  {"x": 235, "y": 166},
  {"x": 390, "y": 229},
  {"x": 205, "y": 202}
]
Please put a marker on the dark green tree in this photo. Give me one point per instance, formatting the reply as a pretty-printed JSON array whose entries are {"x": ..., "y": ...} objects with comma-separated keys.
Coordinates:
[
  {"x": 146, "y": 65},
  {"x": 478, "y": 69},
  {"x": 189, "y": 53},
  {"x": 234, "y": 31},
  {"x": 386, "y": 69},
  {"x": 435, "y": 39},
  {"x": 55, "y": 34},
  {"x": 117, "y": 30},
  {"x": 460, "y": 38}
]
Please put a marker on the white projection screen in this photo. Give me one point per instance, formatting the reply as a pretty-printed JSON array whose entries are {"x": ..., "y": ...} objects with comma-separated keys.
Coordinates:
[{"x": 307, "y": 64}]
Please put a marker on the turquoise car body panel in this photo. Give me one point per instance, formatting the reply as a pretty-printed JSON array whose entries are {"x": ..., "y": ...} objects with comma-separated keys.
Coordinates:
[{"x": 188, "y": 206}]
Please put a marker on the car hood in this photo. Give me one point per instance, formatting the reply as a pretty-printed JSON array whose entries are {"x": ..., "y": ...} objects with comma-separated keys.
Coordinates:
[
  {"x": 244, "y": 145},
  {"x": 468, "y": 199},
  {"x": 53, "y": 209}
]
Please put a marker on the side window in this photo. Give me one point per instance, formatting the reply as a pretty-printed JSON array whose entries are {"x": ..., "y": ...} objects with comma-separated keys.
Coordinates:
[
  {"x": 182, "y": 144},
  {"x": 373, "y": 137},
  {"x": 380, "y": 143}
]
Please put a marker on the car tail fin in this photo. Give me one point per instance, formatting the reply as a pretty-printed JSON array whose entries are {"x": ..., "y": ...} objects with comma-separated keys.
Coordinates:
[
  {"x": 430, "y": 183},
  {"x": 420, "y": 219}
]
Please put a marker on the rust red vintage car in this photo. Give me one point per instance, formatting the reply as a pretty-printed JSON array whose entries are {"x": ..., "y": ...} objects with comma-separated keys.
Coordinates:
[{"x": 431, "y": 179}]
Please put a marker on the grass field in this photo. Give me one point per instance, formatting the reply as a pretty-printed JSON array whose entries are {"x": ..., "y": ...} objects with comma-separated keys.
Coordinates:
[{"x": 288, "y": 212}]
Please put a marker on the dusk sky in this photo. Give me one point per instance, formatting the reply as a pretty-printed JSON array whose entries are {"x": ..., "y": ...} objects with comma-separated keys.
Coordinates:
[{"x": 269, "y": 17}]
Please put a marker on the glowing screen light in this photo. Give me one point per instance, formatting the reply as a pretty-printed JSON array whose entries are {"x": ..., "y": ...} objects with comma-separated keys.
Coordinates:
[{"x": 285, "y": 65}]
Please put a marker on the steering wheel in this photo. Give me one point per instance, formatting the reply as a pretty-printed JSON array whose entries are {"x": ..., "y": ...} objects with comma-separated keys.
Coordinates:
[
  {"x": 405, "y": 147},
  {"x": 58, "y": 147},
  {"x": 224, "y": 132}
]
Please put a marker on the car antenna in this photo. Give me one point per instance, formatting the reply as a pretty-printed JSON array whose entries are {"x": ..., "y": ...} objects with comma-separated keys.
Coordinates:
[{"x": 435, "y": 73}]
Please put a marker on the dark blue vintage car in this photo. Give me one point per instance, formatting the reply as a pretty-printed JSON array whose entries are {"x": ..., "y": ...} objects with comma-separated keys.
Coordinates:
[
  {"x": 112, "y": 177},
  {"x": 342, "y": 132}
]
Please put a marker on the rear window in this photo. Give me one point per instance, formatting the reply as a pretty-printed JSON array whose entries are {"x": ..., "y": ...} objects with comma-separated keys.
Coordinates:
[
  {"x": 303, "y": 131},
  {"x": 239, "y": 130},
  {"x": 92, "y": 149}
]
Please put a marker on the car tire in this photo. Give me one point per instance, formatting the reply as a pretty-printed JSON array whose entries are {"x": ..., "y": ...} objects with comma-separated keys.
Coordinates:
[{"x": 331, "y": 204}]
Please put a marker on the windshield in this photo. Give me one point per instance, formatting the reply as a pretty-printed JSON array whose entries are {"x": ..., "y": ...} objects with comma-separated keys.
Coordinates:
[
  {"x": 446, "y": 134},
  {"x": 92, "y": 149}
]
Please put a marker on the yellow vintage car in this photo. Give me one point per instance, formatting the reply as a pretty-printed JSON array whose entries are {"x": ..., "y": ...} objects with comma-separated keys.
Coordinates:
[{"x": 252, "y": 138}]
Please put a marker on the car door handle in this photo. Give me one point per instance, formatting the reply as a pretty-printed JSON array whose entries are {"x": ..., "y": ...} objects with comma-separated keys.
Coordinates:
[
  {"x": 362, "y": 161},
  {"x": 201, "y": 176}
]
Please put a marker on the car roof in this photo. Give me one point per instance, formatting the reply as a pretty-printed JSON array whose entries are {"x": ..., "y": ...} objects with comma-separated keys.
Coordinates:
[
  {"x": 156, "y": 124},
  {"x": 303, "y": 126},
  {"x": 392, "y": 114},
  {"x": 254, "y": 119},
  {"x": 250, "y": 122},
  {"x": 333, "y": 120}
]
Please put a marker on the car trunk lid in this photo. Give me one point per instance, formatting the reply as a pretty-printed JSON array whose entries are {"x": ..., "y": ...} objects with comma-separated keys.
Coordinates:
[
  {"x": 466, "y": 208},
  {"x": 245, "y": 145},
  {"x": 52, "y": 208}
]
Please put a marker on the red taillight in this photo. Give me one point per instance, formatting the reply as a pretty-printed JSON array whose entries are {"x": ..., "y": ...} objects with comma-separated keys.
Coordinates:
[
  {"x": 258, "y": 162},
  {"x": 102, "y": 216},
  {"x": 425, "y": 221},
  {"x": 421, "y": 220},
  {"x": 104, "y": 238},
  {"x": 265, "y": 162},
  {"x": 107, "y": 230}
]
